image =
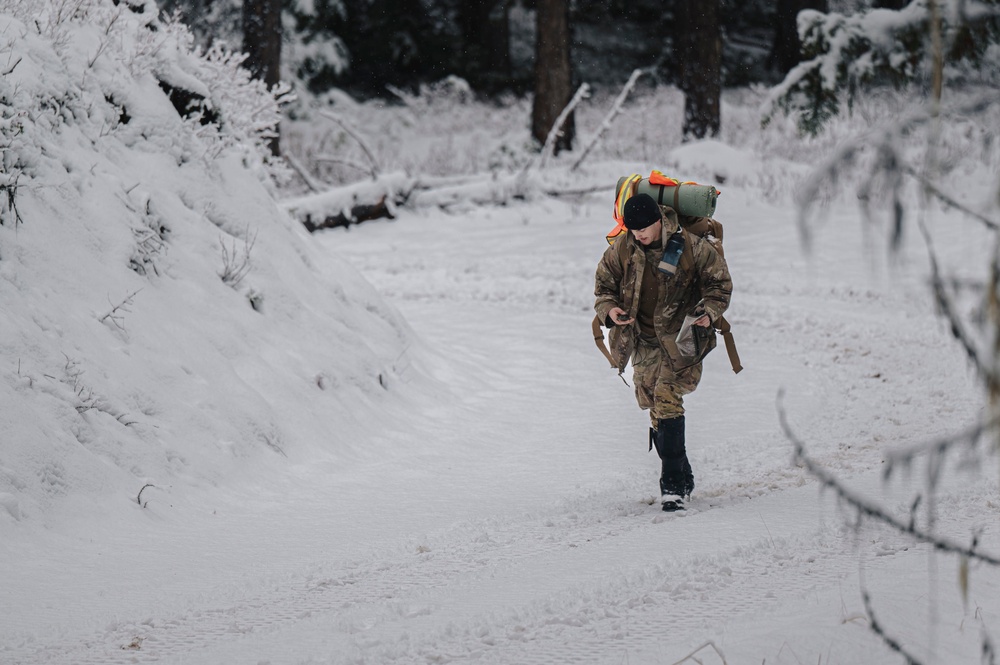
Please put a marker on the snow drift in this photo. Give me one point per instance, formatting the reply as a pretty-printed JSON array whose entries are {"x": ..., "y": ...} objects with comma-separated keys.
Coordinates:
[{"x": 142, "y": 257}]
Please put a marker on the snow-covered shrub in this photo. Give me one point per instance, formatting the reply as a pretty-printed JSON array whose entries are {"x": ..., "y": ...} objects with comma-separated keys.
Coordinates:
[
  {"x": 105, "y": 43},
  {"x": 848, "y": 54},
  {"x": 10, "y": 171}
]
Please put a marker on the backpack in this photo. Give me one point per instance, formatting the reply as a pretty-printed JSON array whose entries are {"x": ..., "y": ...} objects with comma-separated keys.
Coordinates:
[{"x": 695, "y": 205}]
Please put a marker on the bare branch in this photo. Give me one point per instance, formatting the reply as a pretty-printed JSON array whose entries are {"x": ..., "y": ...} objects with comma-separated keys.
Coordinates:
[
  {"x": 300, "y": 168},
  {"x": 138, "y": 499},
  {"x": 933, "y": 189},
  {"x": 938, "y": 447},
  {"x": 332, "y": 159},
  {"x": 877, "y": 629},
  {"x": 10, "y": 70},
  {"x": 690, "y": 656},
  {"x": 867, "y": 509},
  {"x": 236, "y": 264},
  {"x": 375, "y": 168},
  {"x": 985, "y": 369},
  {"x": 117, "y": 319}
]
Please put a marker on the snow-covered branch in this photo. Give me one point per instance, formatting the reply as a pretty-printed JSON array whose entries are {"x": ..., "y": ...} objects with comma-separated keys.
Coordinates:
[
  {"x": 605, "y": 125},
  {"x": 374, "y": 168},
  {"x": 114, "y": 315},
  {"x": 550, "y": 141},
  {"x": 847, "y": 53}
]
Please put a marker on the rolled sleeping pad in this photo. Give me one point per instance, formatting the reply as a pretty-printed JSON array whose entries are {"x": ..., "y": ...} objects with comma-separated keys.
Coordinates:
[{"x": 689, "y": 200}]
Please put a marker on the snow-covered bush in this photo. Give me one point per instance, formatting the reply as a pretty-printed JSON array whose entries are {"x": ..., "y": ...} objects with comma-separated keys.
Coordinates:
[
  {"x": 10, "y": 170},
  {"x": 850, "y": 53},
  {"x": 104, "y": 44}
]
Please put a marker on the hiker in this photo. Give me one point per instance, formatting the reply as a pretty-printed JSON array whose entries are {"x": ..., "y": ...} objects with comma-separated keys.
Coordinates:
[{"x": 652, "y": 278}]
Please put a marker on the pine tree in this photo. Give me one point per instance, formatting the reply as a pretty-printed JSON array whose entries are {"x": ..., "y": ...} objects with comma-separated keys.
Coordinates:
[{"x": 786, "y": 51}]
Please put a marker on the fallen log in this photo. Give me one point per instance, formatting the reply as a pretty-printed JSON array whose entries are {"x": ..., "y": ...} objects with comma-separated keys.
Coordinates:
[
  {"x": 356, "y": 215},
  {"x": 379, "y": 198}
]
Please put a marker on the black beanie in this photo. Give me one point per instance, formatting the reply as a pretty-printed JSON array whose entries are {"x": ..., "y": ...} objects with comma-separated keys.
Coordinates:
[{"x": 640, "y": 211}]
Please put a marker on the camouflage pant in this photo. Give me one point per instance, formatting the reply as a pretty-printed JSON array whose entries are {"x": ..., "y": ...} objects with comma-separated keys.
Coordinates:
[{"x": 658, "y": 386}]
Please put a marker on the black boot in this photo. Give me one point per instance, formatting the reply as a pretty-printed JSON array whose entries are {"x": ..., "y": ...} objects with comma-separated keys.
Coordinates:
[
  {"x": 688, "y": 477},
  {"x": 676, "y": 477}
]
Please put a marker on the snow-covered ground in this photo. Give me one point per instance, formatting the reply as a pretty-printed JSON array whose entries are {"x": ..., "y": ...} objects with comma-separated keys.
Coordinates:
[
  {"x": 398, "y": 443},
  {"x": 503, "y": 517}
]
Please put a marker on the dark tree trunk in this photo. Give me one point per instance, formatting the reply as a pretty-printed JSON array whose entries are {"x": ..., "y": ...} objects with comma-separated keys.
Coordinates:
[
  {"x": 553, "y": 75},
  {"x": 698, "y": 61},
  {"x": 262, "y": 43},
  {"x": 786, "y": 52},
  {"x": 485, "y": 56},
  {"x": 890, "y": 4}
]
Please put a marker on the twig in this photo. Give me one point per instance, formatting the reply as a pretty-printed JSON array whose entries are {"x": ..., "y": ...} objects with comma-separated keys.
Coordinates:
[
  {"x": 234, "y": 265},
  {"x": 605, "y": 125},
  {"x": 768, "y": 530},
  {"x": 303, "y": 172},
  {"x": 119, "y": 321},
  {"x": 331, "y": 159},
  {"x": 985, "y": 370},
  {"x": 877, "y": 629},
  {"x": 10, "y": 70},
  {"x": 710, "y": 643},
  {"x": 138, "y": 498},
  {"x": 933, "y": 189},
  {"x": 937, "y": 447},
  {"x": 866, "y": 509},
  {"x": 375, "y": 169}
]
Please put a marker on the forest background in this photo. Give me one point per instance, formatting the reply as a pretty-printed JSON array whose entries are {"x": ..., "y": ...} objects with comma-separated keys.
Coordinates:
[{"x": 499, "y": 48}]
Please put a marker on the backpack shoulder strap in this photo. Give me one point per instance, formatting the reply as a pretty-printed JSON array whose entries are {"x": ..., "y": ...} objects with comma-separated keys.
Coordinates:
[
  {"x": 687, "y": 263},
  {"x": 687, "y": 256}
]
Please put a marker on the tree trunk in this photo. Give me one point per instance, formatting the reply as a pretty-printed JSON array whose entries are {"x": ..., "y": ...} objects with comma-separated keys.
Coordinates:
[
  {"x": 786, "y": 52},
  {"x": 553, "y": 75},
  {"x": 698, "y": 57},
  {"x": 262, "y": 43}
]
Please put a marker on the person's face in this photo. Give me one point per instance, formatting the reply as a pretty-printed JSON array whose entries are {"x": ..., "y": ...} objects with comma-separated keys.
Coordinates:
[{"x": 649, "y": 234}]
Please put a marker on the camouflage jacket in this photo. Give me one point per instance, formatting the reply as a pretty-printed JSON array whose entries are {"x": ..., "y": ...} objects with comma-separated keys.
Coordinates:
[{"x": 703, "y": 278}]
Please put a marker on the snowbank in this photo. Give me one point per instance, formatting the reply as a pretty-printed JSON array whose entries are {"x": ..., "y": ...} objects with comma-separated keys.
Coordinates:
[{"x": 164, "y": 323}]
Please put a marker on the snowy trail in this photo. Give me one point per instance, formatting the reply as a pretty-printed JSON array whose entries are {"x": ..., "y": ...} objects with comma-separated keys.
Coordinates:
[
  {"x": 587, "y": 582},
  {"x": 509, "y": 524}
]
